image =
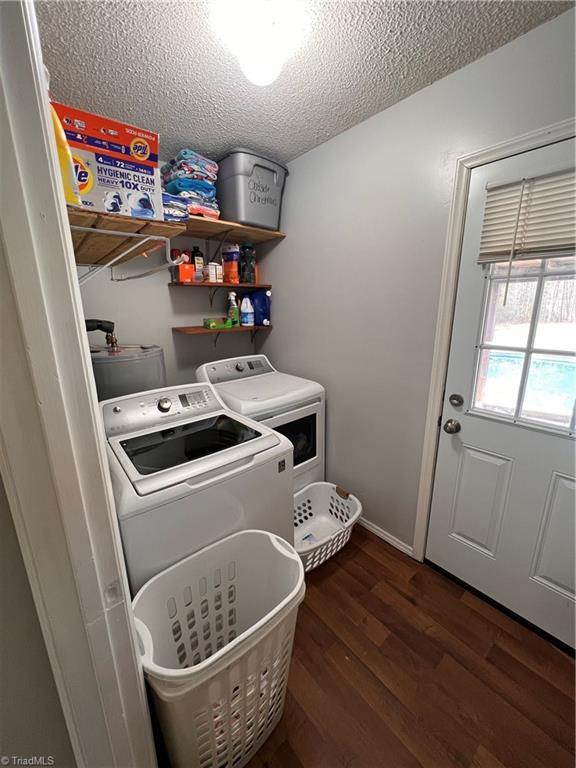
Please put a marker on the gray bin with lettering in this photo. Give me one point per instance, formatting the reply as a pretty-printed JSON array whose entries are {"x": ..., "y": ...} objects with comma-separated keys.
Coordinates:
[{"x": 249, "y": 189}]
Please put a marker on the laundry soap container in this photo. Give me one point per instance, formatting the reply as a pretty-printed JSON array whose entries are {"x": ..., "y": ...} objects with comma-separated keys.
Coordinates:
[
  {"x": 215, "y": 635},
  {"x": 127, "y": 368},
  {"x": 249, "y": 189}
]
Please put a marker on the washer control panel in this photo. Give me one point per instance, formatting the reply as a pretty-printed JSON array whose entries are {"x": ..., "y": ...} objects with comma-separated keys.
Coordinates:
[
  {"x": 150, "y": 409},
  {"x": 235, "y": 368}
]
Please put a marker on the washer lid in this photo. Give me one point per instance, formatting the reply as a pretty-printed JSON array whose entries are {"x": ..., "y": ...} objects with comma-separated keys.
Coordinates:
[
  {"x": 273, "y": 392},
  {"x": 186, "y": 453}
]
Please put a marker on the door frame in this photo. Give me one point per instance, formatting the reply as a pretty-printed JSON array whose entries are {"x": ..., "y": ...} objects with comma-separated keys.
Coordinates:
[
  {"x": 566, "y": 129},
  {"x": 52, "y": 445}
]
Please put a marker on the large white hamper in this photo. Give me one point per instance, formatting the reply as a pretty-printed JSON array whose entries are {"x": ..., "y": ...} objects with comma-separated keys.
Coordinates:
[{"x": 215, "y": 632}]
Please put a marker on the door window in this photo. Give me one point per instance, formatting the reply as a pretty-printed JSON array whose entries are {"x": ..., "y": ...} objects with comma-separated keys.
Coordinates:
[{"x": 526, "y": 364}]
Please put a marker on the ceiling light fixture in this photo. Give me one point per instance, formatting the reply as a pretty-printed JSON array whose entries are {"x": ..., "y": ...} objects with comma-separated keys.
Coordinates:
[{"x": 262, "y": 34}]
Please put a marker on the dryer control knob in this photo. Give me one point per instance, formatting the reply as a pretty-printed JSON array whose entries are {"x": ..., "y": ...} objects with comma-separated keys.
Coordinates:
[
  {"x": 164, "y": 404},
  {"x": 240, "y": 367}
]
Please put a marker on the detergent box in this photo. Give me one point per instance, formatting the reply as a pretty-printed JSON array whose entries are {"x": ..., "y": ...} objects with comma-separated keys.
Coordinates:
[{"x": 116, "y": 164}]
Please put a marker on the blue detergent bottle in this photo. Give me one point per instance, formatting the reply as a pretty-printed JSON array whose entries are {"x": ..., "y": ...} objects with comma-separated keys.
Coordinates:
[{"x": 261, "y": 301}]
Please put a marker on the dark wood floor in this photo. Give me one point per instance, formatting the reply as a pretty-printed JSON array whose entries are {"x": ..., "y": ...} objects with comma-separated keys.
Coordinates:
[{"x": 395, "y": 665}]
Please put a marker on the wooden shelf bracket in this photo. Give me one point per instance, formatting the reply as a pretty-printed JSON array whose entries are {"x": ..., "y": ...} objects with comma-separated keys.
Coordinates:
[
  {"x": 252, "y": 337},
  {"x": 220, "y": 239},
  {"x": 211, "y": 295},
  {"x": 214, "y": 290}
]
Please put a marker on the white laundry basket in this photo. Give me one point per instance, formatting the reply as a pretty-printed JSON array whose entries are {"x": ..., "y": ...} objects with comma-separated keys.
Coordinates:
[
  {"x": 324, "y": 515},
  {"x": 215, "y": 633}
]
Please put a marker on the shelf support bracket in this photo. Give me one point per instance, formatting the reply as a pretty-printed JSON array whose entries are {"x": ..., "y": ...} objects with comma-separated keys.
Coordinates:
[
  {"x": 211, "y": 295},
  {"x": 93, "y": 271},
  {"x": 221, "y": 238}
]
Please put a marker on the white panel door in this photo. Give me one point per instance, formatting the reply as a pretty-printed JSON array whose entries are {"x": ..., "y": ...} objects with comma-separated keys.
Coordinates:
[{"x": 503, "y": 506}]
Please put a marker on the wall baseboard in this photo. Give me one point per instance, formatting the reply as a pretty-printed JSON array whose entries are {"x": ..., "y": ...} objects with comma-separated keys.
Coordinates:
[{"x": 382, "y": 534}]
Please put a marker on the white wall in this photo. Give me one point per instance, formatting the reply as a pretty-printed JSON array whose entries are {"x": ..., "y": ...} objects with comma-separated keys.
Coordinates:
[
  {"x": 31, "y": 718},
  {"x": 357, "y": 279}
]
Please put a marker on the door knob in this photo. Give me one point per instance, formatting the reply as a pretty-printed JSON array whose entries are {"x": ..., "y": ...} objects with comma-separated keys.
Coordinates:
[{"x": 452, "y": 426}]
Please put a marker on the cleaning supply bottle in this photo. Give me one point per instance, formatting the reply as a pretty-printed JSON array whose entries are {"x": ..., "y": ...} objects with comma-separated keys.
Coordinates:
[
  {"x": 261, "y": 301},
  {"x": 247, "y": 263},
  {"x": 197, "y": 259},
  {"x": 233, "y": 311},
  {"x": 230, "y": 256},
  {"x": 246, "y": 312}
]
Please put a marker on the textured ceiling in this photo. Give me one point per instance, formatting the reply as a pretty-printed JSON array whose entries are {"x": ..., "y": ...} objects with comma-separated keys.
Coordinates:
[{"x": 158, "y": 65}]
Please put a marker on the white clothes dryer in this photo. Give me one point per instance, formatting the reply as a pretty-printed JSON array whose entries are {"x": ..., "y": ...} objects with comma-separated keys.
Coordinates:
[
  {"x": 187, "y": 471},
  {"x": 291, "y": 405}
]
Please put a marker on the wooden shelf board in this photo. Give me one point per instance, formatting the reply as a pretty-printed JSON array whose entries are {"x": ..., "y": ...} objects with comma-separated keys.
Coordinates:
[
  {"x": 199, "y": 330},
  {"x": 91, "y": 249},
  {"x": 205, "y": 228},
  {"x": 240, "y": 286},
  {"x": 99, "y": 249}
]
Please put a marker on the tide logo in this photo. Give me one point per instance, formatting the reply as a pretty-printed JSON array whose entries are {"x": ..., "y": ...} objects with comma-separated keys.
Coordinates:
[
  {"x": 84, "y": 176},
  {"x": 140, "y": 149}
]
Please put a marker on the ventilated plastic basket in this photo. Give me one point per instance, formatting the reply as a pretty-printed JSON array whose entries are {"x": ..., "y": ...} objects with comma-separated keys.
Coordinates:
[
  {"x": 215, "y": 633},
  {"x": 324, "y": 515}
]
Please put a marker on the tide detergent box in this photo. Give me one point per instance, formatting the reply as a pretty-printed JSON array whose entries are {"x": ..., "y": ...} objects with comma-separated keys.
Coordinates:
[{"x": 116, "y": 164}]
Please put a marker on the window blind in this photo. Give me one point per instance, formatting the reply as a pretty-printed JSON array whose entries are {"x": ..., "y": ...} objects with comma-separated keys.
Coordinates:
[{"x": 530, "y": 218}]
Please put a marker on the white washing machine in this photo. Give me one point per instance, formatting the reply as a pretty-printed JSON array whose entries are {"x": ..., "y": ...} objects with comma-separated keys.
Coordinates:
[
  {"x": 187, "y": 471},
  {"x": 289, "y": 404}
]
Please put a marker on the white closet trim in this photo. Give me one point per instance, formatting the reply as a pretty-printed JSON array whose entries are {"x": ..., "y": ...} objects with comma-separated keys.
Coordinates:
[{"x": 52, "y": 449}]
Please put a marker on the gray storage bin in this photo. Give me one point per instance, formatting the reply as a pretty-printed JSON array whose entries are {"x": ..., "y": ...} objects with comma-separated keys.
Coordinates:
[{"x": 249, "y": 189}]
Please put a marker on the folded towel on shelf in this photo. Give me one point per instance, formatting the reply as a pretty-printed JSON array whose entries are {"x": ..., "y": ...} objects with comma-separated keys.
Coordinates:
[
  {"x": 187, "y": 171},
  {"x": 175, "y": 200},
  {"x": 173, "y": 214},
  {"x": 189, "y": 182},
  {"x": 204, "y": 163},
  {"x": 175, "y": 208},
  {"x": 203, "y": 189},
  {"x": 191, "y": 195},
  {"x": 193, "y": 198},
  {"x": 197, "y": 208}
]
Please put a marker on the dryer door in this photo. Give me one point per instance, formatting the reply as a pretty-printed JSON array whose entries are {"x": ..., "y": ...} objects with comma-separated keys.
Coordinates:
[{"x": 304, "y": 427}]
